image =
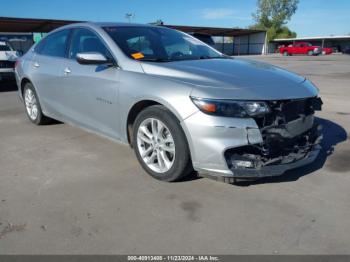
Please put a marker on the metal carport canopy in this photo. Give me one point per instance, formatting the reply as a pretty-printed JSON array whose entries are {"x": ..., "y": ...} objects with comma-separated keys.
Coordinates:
[
  {"x": 215, "y": 31},
  {"x": 12, "y": 24}
]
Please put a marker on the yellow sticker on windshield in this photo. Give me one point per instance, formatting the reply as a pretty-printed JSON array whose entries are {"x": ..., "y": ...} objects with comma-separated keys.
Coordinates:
[{"x": 137, "y": 55}]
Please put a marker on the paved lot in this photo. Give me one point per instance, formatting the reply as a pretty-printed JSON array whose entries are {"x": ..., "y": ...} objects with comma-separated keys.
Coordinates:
[{"x": 63, "y": 190}]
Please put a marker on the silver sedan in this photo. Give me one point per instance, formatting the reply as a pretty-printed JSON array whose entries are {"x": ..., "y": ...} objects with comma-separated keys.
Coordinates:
[{"x": 178, "y": 102}]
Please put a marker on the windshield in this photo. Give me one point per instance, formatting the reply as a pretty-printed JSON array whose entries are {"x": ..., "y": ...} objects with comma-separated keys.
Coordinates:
[
  {"x": 159, "y": 44},
  {"x": 204, "y": 38}
]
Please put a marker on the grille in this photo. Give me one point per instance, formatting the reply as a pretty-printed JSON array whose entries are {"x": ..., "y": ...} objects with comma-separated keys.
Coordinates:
[
  {"x": 292, "y": 110},
  {"x": 284, "y": 111}
]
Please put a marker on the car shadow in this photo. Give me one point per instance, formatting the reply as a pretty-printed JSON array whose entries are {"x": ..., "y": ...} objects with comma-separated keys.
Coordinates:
[
  {"x": 8, "y": 86},
  {"x": 190, "y": 177},
  {"x": 333, "y": 134},
  {"x": 53, "y": 122}
]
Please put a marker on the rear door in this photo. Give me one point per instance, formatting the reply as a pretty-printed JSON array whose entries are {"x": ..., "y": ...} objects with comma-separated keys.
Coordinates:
[
  {"x": 45, "y": 68},
  {"x": 90, "y": 91}
]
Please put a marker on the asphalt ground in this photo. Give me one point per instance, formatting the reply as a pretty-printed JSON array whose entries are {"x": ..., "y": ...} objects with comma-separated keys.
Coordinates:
[{"x": 66, "y": 191}]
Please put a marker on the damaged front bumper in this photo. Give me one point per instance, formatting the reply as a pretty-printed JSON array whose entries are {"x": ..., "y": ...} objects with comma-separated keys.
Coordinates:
[
  {"x": 277, "y": 169},
  {"x": 247, "y": 148}
]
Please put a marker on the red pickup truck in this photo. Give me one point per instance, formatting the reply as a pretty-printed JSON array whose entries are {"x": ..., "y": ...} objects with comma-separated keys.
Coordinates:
[
  {"x": 327, "y": 51},
  {"x": 300, "y": 48}
]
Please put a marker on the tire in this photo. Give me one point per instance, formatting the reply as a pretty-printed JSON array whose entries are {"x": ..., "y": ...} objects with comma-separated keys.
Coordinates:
[
  {"x": 310, "y": 53},
  {"x": 285, "y": 53},
  {"x": 169, "y": 158},
  {"x": 32, "y": 105}
]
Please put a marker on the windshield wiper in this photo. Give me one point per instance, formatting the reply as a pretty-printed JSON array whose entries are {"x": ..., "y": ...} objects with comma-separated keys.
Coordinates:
[
  {"x": 155, "y": 60},
  {"x": 215, "y": 57},
  {"x": 184, "y": 59}
]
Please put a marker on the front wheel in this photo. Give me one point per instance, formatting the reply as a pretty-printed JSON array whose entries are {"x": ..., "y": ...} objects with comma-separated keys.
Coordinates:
[
  {"x": 310, "y": 53},
  {"x": 285, "y": 53},
  {"x": 160, "y": 144}
]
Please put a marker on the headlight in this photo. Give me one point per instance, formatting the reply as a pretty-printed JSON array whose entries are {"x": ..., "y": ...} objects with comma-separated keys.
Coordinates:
[{"x": 231, "y": 108}]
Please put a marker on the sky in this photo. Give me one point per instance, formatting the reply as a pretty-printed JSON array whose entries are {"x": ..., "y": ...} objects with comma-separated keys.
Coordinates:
[{"x": 313, "y": 17}]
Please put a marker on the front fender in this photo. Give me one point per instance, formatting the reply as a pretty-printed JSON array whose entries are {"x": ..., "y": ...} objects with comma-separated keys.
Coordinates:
[{"x": 136, "y": 87}]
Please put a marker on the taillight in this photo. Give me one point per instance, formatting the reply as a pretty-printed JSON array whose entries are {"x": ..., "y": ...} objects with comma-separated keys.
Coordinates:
[{"x": 18, "y": 61}]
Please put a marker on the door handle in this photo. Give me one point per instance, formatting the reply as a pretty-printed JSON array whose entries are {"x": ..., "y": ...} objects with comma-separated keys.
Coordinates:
[
  {"x": 36, "y": 65},
  {"x": 67, "y": 71}
]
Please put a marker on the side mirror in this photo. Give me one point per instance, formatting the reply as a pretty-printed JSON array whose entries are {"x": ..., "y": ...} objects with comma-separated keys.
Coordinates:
[{"x": 92, "y": 58}]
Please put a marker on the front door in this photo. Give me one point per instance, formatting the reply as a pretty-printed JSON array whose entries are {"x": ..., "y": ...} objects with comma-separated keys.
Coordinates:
[{"x": 91, "y": 91}]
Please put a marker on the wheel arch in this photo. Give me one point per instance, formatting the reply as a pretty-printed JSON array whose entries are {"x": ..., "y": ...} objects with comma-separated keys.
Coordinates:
[
  {"x": 24, "y": 81},
  {"x": 139, "y": 106}
]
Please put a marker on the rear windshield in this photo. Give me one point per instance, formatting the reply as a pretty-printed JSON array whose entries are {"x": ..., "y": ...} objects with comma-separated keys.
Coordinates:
[
  {"x": 5, "y": 48},
  {"x": 159, "y": 44}
]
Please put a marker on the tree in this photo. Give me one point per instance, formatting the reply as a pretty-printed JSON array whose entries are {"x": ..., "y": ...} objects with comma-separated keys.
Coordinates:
[
  {"x": 285, "y": 32},
  {"x": 272, "y": 15}
]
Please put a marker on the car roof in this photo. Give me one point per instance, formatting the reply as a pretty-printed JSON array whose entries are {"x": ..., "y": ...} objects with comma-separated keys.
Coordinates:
[
  {"x": 108, "y": 24},
  {"x": 103, "y": 24}
]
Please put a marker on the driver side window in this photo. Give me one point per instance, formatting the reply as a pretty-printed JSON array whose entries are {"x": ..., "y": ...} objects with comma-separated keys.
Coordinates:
[{"x": 83, "y": 41}]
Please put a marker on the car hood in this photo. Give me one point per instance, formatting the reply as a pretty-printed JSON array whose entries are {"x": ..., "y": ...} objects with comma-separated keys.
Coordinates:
[{"x": 234, "y": 79}]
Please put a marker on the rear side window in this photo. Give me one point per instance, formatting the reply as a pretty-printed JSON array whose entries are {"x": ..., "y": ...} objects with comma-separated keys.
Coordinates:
[
  {"x": 54, "y": 44},
  {"x": 84, "y": 41},
  {"x": 39, "y": 46}
]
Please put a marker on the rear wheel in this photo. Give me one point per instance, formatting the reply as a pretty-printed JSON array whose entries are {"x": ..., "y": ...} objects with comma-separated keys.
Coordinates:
[
  {"x": 285, "y": 53},
  {"x": 160, "y": 144},
  {"x": 32, "y": 105}
]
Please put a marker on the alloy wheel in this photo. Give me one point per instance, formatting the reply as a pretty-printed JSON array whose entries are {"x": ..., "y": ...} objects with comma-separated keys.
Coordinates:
[
  {"x": 156, "y": 145},
  {"x": 31, "y": 104}
]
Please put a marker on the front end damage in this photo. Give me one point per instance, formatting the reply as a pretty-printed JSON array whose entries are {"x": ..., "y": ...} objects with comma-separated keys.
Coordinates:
[{"x": 290, "y": 139}]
